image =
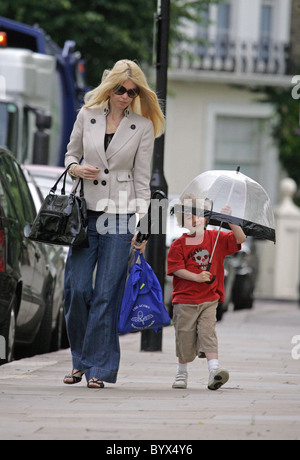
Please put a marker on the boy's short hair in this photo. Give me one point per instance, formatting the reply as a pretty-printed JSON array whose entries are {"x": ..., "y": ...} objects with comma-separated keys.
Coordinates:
[{"x": 188, "y": 205}]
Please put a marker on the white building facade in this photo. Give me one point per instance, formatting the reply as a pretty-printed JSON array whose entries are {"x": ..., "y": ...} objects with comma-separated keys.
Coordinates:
[{"x": 214, "y": 119}]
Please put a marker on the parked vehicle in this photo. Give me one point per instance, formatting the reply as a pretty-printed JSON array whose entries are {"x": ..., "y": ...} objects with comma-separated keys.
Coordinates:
[
  {"x": 241, "y": 273},
  {"x": 46, "y": 176},
  {"x": 9, "y": 299},
  {"x": 229, "y": 279},
  {"x": 26, "y": 282},
  {"x": 57, "y": 260},
  {"x": 246, "y": 274},
  {"x": 42, "y": 90}
]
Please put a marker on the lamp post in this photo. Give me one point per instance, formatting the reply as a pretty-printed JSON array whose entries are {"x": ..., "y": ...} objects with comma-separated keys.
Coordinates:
[{"x": 156, "y": 247}]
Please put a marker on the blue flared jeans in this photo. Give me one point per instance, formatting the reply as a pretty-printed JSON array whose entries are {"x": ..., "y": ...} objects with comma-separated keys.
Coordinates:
[{"x": 95, "y": 279}]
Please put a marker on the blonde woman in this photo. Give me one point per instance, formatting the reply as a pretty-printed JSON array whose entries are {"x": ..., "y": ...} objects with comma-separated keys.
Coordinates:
[{"x": 111, "y": 148}]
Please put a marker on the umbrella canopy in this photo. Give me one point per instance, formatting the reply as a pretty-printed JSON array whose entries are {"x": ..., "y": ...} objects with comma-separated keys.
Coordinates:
[{"x": 250, "y": 204}]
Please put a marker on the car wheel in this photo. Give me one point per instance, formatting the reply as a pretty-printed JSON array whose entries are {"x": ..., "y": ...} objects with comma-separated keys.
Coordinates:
[
  {"x": 56, "y": 339},
  {"x": 8, "y": 331},
  {"x": 42, "y": 342},
  {"x": 220, "y": 311},
  {"x": 242, "y": 295}
]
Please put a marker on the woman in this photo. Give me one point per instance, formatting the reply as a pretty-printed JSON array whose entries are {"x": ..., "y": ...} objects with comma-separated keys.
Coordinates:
[{"x": 111, "y": 148}]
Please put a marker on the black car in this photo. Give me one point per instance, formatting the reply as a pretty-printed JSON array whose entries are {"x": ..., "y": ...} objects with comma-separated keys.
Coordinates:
[
  {"x": 26, "y": 282},
  {"x": 229, "y": 280},
  {"x": 241, "y": 274},
  {"x": 246, "y": 266}
]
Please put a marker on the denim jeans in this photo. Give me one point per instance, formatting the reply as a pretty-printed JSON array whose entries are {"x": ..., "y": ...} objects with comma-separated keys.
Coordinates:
[{"x": 93, "y": 298}]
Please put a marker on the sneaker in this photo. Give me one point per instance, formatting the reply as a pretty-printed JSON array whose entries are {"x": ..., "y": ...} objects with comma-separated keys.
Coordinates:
[
  {"x": 217, "y": 378},
  {"x": 180, "y": 380}
]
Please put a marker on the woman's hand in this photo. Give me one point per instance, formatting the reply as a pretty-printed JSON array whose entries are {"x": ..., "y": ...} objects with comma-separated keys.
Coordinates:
[
  {"x": 86, "y": 172},
  {"x": 139, "y": 246}
]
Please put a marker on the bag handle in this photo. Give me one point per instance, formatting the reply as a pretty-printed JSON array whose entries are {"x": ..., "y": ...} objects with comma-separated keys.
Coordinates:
[
  {"x": 140, "y": 259},
  {"x": 138, "y": 256},
  {"x": 63, "y": 190}
]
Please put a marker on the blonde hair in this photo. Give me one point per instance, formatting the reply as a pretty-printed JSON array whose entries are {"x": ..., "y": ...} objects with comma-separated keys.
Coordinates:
[{"x": 146, "y": 104}]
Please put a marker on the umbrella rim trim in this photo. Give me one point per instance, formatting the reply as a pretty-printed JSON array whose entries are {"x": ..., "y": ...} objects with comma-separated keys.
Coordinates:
[{"x": 249, "y": 228}]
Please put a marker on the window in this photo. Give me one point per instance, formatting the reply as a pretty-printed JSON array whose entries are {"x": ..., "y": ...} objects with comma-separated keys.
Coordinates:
[
  {"x": 223, "y": 29},
  {"x": 202, "y": 32},
  {"x": 266, "y": 23},
  {"x": 5, "y": 204},
  {"x": 17, "y": 190},
  {"x": 5, "y": 201},
  {"x": 239, "y": 143},
  {"x": 28, "y": 208}
]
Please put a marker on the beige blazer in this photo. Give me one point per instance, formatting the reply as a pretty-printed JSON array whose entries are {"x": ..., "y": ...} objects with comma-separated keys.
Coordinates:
[{"x": 123, "y": 184}]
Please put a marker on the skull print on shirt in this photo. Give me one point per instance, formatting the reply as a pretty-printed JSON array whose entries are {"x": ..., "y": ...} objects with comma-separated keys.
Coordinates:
[{"x": 201, "y": 256}]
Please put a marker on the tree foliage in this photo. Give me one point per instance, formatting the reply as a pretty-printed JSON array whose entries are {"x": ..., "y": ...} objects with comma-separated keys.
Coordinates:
[
  {"x": 104, "y": 30},
  {"x": 286, "y": 131}
]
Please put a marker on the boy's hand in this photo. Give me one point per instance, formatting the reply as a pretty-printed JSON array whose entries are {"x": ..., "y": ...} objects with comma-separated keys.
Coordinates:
[
  {"x": 226, "y": 210},
  {"x": 238, "y": 232},
  {"x": 203, "y": 277}
]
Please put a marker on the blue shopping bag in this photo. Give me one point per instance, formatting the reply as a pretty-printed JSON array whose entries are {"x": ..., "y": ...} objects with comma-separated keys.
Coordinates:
[{"x": 142, "y": 305}]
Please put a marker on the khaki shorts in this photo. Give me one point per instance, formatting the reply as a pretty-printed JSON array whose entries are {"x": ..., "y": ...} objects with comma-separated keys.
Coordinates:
[{"x": 195, "y": 330}]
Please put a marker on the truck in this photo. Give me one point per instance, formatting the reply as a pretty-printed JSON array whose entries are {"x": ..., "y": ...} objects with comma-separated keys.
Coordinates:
[{"x": 41, "y": 90}]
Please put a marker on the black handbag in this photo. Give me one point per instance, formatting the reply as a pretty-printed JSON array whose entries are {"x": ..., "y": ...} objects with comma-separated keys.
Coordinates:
[{"x": 62, "y": 219}]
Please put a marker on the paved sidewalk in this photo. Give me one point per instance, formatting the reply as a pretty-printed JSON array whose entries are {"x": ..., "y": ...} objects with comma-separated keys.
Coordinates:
[{"x": 261, "y": 400}]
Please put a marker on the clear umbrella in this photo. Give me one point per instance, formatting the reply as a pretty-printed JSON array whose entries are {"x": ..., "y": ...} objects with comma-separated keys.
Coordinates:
[{"x": 250, "y": 205}]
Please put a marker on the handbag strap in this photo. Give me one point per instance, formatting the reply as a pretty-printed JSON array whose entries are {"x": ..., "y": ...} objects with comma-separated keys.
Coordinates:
[{"x": 63, "y": 190}]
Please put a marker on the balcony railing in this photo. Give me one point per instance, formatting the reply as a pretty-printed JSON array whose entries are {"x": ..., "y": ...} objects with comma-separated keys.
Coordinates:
[{"x": 243, "y": 57}]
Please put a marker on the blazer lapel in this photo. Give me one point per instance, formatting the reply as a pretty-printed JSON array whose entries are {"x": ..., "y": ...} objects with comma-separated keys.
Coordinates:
[
  {"x": 97, "y": 128},
  {"x": 124, "y": 133}
]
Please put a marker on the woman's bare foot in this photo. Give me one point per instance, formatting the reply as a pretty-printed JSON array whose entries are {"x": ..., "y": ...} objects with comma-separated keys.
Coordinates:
[
  {"x": 74, "y": 377},
  {"x": 95, "y": 383}
]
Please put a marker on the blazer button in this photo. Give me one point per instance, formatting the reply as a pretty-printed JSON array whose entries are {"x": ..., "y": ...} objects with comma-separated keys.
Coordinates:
[
  {"x": 93, "y": 121},
  {"x": 103, "y": 182},
  {"x": 132, "y": 126},
  {"x": 96, "y": 182},
  {"x": 106, "y": 171}
]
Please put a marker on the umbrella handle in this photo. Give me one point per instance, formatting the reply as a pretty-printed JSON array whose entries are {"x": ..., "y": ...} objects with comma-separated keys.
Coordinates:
[
  {"x": 214, "y": 276},
  {"x": 212, "y": 280}
]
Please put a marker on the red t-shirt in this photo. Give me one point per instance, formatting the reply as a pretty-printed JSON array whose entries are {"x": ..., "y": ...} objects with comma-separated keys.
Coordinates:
[{"x": 195, "y": 257}]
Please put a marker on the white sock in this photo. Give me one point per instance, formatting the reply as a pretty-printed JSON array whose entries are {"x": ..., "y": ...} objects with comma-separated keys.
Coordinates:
[
  {"x": 182, "y": 367},
  {"x": 213, "y": 364}
]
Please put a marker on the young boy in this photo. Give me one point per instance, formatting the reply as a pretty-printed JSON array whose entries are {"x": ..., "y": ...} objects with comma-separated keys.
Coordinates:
[{"x": 194, "y": 300}]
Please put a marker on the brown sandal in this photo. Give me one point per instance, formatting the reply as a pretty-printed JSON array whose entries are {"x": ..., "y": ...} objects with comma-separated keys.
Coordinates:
[
  {"x": 95, "y": 383},
  {"x": 74, "y": 377}
]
